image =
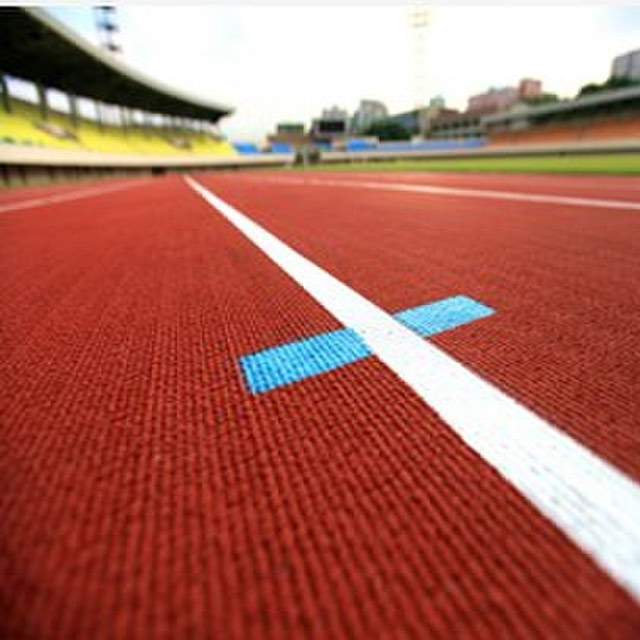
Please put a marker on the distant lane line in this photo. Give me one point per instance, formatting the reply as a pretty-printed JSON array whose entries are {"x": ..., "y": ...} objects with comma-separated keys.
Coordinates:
[
  {"x": 461, "y": 192},
  {"x": 67, "y": 196},
  {"x": 593, "y": 503}
]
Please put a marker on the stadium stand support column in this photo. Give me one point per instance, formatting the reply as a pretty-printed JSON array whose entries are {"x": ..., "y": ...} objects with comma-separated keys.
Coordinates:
[
  {"x": 99, "y": 115},
  {"x": 147, "y": 122},
  {"x": 123, "y": 119},
  {"x": 6, "y": 103},
  {"x": 73, "y": 110},
  {"x": 42, "y": 101}
]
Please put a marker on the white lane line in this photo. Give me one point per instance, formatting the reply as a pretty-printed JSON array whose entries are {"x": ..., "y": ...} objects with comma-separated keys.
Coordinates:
[
  {"x": 66, "y": 196},
  {"x": 544, "y": 198},
  {"x": 593, "y": 503}
]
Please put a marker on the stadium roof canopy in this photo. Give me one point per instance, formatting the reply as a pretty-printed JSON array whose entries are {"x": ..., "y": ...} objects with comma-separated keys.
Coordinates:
[
  {"x": 594, "y": 101},
  {"x": 37, "y": 47}
]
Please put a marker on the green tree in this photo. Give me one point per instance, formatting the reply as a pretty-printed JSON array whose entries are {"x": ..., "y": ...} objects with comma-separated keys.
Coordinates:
[
  {"x": 614, "y": 82},
  {"x": 543, "y": 98},
  {"x": 387, "y": 130}
]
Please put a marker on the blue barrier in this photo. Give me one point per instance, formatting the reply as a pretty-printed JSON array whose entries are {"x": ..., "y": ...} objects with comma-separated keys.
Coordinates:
[
  {"x": 246, "y": 147},
  {"x": 281, "y": 147},
  {"x": 433, "y": 145},
  {"x": 360, "y": 145}
]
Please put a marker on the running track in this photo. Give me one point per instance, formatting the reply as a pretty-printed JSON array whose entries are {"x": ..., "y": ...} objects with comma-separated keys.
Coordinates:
[{"x": 146, "y": 492}]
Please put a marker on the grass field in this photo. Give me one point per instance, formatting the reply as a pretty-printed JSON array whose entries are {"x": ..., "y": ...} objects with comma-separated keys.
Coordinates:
[{"x": 612, "y": 164}]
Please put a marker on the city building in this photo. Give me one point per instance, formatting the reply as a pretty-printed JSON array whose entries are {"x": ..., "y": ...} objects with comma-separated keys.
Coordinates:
[
  {"x": 367, "y": 113},
  {"x": 627, "y": 65},
  {"x": 417, "y": 122},
  {"x": 529, "y": 88},
  {"x": 495, "y": 99},
  {"x": 410, "y": 120},
  {"x": 500, "y": 99}
]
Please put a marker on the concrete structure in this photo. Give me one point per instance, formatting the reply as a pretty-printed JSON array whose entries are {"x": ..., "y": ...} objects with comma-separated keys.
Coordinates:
[
  {"x": 627, "y": 65},
  {"x": 24, "y": 166},
  {"x": 417, "y": 122}
]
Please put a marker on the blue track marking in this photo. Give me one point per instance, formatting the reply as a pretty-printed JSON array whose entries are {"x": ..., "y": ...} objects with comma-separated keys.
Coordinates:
[{"x": 283, "y": 365}]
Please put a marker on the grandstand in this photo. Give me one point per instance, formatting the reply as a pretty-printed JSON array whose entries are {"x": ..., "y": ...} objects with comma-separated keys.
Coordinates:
[
  {"x": 606, "y": 116},
  {"x": 22, "y": 124},
  {"x": 107, "y": 116}
]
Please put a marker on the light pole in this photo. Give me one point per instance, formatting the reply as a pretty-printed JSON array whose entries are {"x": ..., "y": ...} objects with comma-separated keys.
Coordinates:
[{"x": 418, "y": 22}]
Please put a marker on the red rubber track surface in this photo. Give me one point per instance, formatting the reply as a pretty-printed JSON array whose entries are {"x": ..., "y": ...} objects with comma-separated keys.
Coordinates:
[
  {"x": 562, "y": 278},
  {"x": 16, "y": 196},
  {"x": 147, "y": 494}
]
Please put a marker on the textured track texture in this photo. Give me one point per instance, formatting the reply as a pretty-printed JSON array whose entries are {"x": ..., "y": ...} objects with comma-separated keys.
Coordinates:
[
  {"x": 146, "y": 493},
  {"x": 563, "y": 281}
]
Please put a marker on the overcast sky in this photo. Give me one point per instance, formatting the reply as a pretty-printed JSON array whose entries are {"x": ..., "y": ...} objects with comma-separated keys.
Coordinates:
[{"x": 287, "y": 63}]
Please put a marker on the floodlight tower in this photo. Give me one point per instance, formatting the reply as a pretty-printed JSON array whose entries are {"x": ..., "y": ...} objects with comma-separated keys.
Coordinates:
[
  {"x": 106, "y": 21},
  {"x": 418, "y": 22}
]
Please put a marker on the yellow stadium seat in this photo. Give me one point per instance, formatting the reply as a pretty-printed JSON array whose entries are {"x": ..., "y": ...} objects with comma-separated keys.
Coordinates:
[{"x": 24, "y": 125}]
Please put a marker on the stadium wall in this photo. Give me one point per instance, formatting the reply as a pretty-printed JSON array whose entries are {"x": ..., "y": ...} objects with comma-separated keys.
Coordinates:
[
  {"x": 630, "y": 146},
  {"x": 24, "y": 166}
]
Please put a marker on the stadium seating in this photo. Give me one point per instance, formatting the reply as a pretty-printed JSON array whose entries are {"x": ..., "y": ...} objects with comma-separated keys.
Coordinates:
[
  {"x": 360, "y": 145},
  {"x": 580, "y": 130},
  {"x": 281, "y": 147},
  {"x": 25, "y": 126},
  {"x": 433, "y": 145},
  {"x": 245, "y": 147}
]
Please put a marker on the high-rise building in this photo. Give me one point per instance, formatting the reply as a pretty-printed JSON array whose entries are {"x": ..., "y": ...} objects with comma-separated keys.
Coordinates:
[
  {"x": 529, "y": 88},
  {"x": 627, "y": 65},
  {"x": 496, "y": 99}
]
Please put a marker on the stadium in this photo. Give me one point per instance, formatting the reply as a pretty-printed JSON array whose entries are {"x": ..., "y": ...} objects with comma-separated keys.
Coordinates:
[{"x": 332, "y": 385}]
